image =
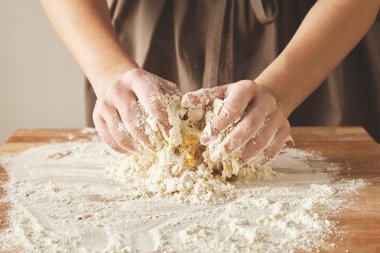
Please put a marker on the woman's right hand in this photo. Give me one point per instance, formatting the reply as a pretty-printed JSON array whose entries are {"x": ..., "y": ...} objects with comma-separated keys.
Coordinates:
[{"x": 118, "y": 117}]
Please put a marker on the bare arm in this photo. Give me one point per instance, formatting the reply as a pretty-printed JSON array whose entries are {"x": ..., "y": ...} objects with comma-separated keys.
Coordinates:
[
  {"x": 327, "y": 34},
  {"x": 86, "y": 30}
]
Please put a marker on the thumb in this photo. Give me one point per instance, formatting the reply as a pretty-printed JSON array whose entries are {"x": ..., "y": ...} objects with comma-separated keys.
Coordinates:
[{"x": 170, "y": 88}]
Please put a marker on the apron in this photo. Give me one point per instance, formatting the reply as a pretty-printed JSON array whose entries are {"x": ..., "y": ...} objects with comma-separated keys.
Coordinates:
[{"x": 203, "y": 43}]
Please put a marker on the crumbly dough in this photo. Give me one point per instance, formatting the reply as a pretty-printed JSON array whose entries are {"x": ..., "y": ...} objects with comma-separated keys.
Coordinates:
[{"x": 182, "y": 165}]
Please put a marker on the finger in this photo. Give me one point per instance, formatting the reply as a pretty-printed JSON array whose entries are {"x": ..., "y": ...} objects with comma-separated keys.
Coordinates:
[
  {"x": 133, "y": 119},
  {"x": 115, "y": 128},
  {"x": 278, "y": 142},
  {"x": 248, "y": 127},
  {"x": 151, "y": 98},
  {"x": 203, "y": 97},
  {"x": 103, "y": 132},
  {"x": 263, "y": 137},
  {"x": 234, "y": 105},
  {"x": 170, "y": 88}
]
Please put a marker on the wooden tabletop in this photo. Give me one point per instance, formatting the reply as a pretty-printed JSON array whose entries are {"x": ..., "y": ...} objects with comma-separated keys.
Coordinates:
[{"x": 351, "y": 146}]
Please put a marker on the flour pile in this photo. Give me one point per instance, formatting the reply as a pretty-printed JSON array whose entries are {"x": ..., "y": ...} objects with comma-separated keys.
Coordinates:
[
  {"x": 182, "y": 166},
  {"x": 62, "y": 201}
]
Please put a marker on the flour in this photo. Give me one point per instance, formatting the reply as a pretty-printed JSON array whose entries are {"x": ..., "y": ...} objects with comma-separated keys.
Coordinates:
[{"x": 62, "y": 201}]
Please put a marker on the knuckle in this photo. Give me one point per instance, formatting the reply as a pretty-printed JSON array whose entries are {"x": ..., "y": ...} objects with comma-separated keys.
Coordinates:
[
  {"x": 257, "y": 114},
  {"x": 155, "y": 101},
  {"x": 230, "y": 111},
  {"x": 115, "y": 118},
  {"x": 121, "y": 138},
  {"x": 271, "y": 99},
  {"x": 117, "y": 89},
  {"x": 255, "y": 110},
  {"x": 133, "y": 125},
  {"x": 136, "y": 73},
  {"x": 276, "y": 117},
  {"x": 250, "y": 86},
  {"x": 240, "y": 92},
  {"x": 132, "y": 75},
  {"x": 245, "y": 130},
  {"x": 111, "y": 143},
  {"x": 250, "y": 125},
  {"x": 287, "y": 125},
  {"x": 116, "y": 147},
  {"x": 260, "y": 142},
  {"x": 102, "y": 103},
  {"x": 116, "y": 144},
  {"x": 244, "y": 84},
  {"x": 169, "y": 85},
  {"x": 248, "y": 154}
]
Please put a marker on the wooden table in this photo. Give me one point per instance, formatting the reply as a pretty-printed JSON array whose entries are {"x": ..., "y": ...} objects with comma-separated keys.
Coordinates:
[{"x": 351, "y": 146}]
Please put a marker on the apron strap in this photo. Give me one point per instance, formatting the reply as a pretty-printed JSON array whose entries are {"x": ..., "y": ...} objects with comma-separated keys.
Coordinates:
[{"x": 265, "y": 11}]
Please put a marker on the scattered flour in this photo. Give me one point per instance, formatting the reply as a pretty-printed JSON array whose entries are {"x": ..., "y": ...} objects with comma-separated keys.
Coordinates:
[
  {"x": 81, "y": 196},
  {"x": 62, "y": 201}
]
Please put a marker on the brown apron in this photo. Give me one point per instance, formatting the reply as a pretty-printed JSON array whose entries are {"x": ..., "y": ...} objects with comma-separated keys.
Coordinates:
[{"x": 203, "y": 43}]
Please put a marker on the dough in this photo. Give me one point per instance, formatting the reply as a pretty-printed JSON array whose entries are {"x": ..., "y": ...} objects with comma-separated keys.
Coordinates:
[{"x": 182, "y": 165}]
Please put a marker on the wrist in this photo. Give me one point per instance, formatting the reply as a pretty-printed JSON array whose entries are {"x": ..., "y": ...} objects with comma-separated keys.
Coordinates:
[{"x": 109, "y": 74}]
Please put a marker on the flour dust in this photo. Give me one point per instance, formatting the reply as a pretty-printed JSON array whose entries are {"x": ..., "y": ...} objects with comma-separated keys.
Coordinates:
[{"x": 63, "y": 199}]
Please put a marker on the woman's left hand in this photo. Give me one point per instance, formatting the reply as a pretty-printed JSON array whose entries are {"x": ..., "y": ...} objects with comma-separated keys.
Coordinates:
[{"x": 262, "y": 127}]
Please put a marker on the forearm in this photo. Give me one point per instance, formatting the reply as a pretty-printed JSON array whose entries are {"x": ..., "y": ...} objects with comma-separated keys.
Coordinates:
[
  {"x": 327, "y": 34},
  {"x": 86, "y": 30}
]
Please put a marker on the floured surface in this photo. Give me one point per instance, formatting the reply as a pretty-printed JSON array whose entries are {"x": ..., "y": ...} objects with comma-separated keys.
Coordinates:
[{"x": 62, "y": 201}]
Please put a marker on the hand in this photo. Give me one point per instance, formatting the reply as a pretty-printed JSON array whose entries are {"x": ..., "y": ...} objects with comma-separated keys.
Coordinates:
[
  {"x": 261, "y": 124},
  {"x": 118, "y": 117}
]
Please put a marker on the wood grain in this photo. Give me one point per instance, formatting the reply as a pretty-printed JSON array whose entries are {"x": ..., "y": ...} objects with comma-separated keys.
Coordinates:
[{"x": 358, "y": 227}]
